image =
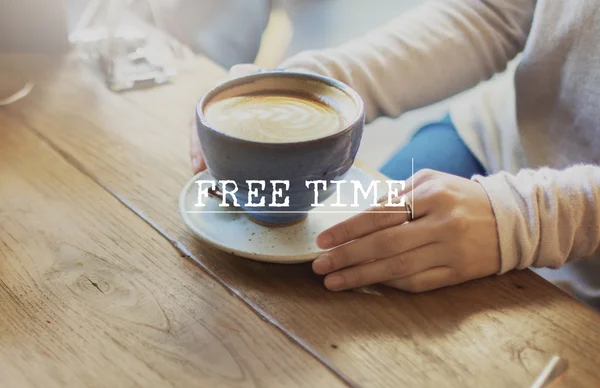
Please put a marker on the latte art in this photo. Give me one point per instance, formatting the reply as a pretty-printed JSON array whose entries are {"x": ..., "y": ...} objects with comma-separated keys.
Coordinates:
[{"x": 274, "y": 118}]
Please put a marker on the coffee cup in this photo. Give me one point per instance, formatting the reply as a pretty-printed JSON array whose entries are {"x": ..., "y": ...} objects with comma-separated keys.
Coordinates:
[{"x": 275, "y": 138}]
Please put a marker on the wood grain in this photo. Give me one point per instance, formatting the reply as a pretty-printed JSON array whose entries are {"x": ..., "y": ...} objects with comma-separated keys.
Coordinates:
[
  {"x": 498, "y": 331},
  {"x": 92, "y": 296}
]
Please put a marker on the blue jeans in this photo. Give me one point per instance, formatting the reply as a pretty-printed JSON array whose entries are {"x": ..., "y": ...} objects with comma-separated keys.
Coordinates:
[{"x": 436, "y": 146}]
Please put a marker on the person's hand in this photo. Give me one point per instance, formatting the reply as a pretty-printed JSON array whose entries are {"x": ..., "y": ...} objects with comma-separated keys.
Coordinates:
[
  {"x": 196, "y": 156},
  {"x": 452, "y": 239}
]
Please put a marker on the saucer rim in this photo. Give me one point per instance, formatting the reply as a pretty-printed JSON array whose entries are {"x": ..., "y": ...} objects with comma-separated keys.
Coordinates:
[{"x": 261, "y": 257}]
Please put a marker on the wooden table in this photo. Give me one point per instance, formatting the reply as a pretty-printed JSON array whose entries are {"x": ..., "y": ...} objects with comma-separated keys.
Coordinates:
[{"x": 101, "y": 284}]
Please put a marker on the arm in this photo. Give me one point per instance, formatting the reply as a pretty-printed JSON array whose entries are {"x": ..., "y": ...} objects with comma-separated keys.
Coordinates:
[
  {"x": 465, "y": 229},
  {"x": 432, "y": 52},
  {"x": 545, "y": 217}
]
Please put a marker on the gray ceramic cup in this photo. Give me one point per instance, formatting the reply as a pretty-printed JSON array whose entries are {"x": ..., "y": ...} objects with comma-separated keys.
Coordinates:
[{"x": 327, "y": 158}]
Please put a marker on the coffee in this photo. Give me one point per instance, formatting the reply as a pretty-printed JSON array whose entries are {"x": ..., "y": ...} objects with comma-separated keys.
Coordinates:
[
  {"x": 275, "y": 117},
  {"x": 283, "y": 127}
]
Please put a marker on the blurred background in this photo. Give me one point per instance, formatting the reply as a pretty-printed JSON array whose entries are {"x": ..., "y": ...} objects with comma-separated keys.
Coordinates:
[
  {"x": 264, "y": 31},
  {"x": 242, "y": 31}
]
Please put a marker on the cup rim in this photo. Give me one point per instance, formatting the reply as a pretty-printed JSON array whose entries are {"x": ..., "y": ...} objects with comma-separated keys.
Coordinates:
[{"x": 282, "y": 74}]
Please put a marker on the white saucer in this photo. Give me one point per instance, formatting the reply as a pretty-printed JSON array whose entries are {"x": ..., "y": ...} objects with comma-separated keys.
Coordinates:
[{"x": 235, "y": 233}]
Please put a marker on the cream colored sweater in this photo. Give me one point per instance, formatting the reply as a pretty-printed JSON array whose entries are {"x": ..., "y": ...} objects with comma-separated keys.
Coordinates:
[{"x": 539, "y": 134}]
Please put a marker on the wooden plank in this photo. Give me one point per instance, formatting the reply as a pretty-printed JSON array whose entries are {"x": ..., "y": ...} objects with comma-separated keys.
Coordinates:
[
  {"x": 500, "y": 330},
  {"x": 92, "y": 296}
]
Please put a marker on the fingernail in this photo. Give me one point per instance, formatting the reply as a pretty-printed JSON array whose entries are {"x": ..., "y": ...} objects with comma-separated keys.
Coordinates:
[
  {"x": 334, "y": 282},
  {"x": 325, "y": 240},
  {"x": 195, "y": 163},
  {"x": 322, "y": 265}
]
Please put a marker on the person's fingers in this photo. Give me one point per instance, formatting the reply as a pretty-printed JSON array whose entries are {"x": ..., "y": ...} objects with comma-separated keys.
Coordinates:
[
  {"x": 370, "y": 221},
  {"x": 243, "y": 69},
  {"x": 384, "y": 270},
  {"x": 428, "y": 280},
  {"x": 413, "y": 182},
  {"x": 362, "y": 224},
  {"x": 196, "y": 156},
  {"x": 378, "y": 245},
  {"x": 422, "y": 176},
  {"x": 381, "y": 217}
]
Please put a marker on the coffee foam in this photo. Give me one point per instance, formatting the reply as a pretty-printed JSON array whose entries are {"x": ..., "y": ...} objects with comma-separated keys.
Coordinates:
[{"x": 269, "y": 110}]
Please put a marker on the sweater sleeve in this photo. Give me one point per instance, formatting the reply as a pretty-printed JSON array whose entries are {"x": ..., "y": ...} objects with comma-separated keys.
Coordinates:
[
  {"x": 545, "y": 217},
  {"x": 429, "y": 53}
]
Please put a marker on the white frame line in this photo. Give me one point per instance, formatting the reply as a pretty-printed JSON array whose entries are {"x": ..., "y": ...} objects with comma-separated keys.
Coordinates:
[{"x": 294, "y": 212}]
